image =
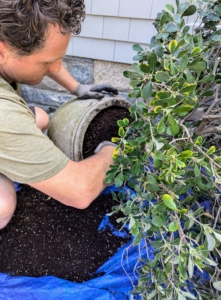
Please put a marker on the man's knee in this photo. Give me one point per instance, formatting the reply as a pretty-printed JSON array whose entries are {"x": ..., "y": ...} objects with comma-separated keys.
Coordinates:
[
  {"x": 42, "y": 119},
  {"x": 7, "y": 200}
]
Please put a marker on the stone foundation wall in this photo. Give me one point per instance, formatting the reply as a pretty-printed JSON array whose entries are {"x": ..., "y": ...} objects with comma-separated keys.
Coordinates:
[{"x": 50, "y": 95}]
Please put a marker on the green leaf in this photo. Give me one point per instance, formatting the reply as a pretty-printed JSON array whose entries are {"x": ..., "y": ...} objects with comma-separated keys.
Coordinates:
[
  {"x": 158, "y": 144},
  {"x": 137, "y": 239},
  {"x": 211, "y": 150},
  {"x": 152, "y": 60},
  {"x": 188, "y": 295},
  {"x": 169, "y": 202},
  {"x": 173, "y": 226},
  {"x": 121, "y": 132},
  {"x": 170, "y": 7},
  {"x": 186, "y": 154},
  {"x": 198, "y": 67},
  {"x": 144, "y": 68},
  {"x": 162, "y": 76},
  {"x": 207, "y": 93},
  {"x": 190, "y": 266},
  {"x": 172, "y": 27},
  {"x": 146, "y": 92},
  {"x": 196, "y": 170},
  {"x": 182, "y": 53},
  {"x": 127, "y": 73},
  {"x": 186, "y": 29},
  {"x": 151, "y": 295},
  {"x": 163, "y": 19},
  {"x": 136, "y": 169},
  {"x": 207, "y": 78},
  {"x": 137, "y": 47},
  {"x": 189, "y": 11},
  {"x": 132, "y": 222},
  {"x": 188, "y": 88},
  {"x": 157, "y": 221},
  {"x": 138, "y": 57},
  {"x": 184, "y": 62},
  {"x": 195, "y": 51},
  {"x": 183, "y": 109},
  {"x": 182, "y": 269},
  {"x": 217, "y": 285},
  {"x": 217, "y": 236},
  {"x": 134, "y": 230},
  {"x": 158, "y": 50},
  {"x": 126, "y": 121},
  {"x": 127, "y": 210},
  {"x": 161, "y": 126},
  {"x": 212, "y": 17},
  {"x": 121, "y": 123},
  {"x": 174, "y": 127},
  {"x": 119, "y": 180},
  {"x": 181, "y": 297},
  {"x": 211, "y": 241},
  {"x": 172, "y": 46},
  {"x": 217, "y": 9}
]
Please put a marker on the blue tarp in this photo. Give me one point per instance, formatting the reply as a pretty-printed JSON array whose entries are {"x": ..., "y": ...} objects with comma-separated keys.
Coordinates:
[{"x": 115, "y": 284}]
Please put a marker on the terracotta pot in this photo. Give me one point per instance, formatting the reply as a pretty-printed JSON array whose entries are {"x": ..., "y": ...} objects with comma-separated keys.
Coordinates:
[{"x": 69, "y": 124}]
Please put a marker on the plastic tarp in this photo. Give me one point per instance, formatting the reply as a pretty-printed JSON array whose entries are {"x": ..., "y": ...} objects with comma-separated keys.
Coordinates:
[{"x": 115, "y": 284}]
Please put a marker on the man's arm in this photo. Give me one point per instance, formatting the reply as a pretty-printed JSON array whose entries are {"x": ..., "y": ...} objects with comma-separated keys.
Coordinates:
[
  {"x": 64, "y": 78},
  {"x": 79, "y": 183}
]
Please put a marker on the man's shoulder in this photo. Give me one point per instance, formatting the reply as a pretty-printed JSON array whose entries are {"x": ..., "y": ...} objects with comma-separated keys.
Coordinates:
[{"x": 9, "y": 98}]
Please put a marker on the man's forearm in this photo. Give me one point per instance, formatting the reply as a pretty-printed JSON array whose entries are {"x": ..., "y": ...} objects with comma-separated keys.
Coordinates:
[
  {"x": 64, "y": 79},
  {"x": 79, "y": 183}
]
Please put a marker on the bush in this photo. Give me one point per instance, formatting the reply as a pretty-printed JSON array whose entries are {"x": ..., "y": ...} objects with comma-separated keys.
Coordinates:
[{"x": 170, "y": 155}]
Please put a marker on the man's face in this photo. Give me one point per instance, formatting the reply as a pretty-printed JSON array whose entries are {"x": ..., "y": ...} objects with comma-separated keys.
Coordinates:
[{"x": 32, "y": 68}]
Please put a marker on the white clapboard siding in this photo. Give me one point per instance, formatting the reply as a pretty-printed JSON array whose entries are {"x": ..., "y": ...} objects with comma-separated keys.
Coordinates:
[{"x": 111, "y": 27}]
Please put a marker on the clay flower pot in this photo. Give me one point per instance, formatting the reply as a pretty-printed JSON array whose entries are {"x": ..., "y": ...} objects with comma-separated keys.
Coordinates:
[{"x": 70, "y": 122}]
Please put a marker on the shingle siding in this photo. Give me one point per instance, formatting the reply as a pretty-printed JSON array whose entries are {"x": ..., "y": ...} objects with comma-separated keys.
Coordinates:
[{"x": 112, "y": 27}]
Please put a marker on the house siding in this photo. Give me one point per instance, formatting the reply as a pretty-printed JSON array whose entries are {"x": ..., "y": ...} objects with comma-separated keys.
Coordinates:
[{"x": 112, "y": 27}]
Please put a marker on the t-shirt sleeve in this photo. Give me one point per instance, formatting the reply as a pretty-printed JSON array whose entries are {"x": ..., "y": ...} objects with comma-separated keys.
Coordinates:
[{"x": 26, "y": 154}]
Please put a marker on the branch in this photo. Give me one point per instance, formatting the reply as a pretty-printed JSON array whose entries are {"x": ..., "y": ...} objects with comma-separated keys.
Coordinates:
[{"x": 208, "y": 130}]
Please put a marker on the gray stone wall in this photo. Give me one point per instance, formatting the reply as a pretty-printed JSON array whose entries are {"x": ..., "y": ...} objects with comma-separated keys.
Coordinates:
[{"x": 50, "y": 95}]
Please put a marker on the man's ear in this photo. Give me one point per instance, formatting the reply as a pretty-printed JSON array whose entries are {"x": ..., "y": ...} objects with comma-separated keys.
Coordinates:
[{"x": 4, "y": 51}]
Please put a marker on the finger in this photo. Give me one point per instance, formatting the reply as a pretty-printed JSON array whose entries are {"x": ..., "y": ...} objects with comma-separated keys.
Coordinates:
[
  {"x": 104, "y": 87},
  {"x": 96, "y": 95}
]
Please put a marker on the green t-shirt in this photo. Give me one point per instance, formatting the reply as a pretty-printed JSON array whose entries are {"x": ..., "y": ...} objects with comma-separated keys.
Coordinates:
[{"x": 26, "y": 154}]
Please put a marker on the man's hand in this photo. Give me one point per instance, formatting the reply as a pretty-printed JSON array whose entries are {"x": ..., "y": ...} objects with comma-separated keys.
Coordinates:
[
  {"x": 101, "y": 145},
  {"x": 93, "y": 91}
]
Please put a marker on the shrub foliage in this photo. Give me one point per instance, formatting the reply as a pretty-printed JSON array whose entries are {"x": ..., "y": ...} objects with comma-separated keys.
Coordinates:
[{"x": 170, "y": 155}]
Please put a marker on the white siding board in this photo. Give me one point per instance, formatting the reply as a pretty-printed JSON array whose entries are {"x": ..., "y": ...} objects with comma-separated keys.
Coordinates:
[
  {"x": 92, "y": 27},
  {"x": 93, "y": 48},
  {"x": 105, "y": 7},
  {"x": 141, "y": 31},
  {"x": 124, "y": 52},
  {"x": 87, "y": 6},
  {"x": 116, "y": 28},
  {"x": 135, "y": 9}
]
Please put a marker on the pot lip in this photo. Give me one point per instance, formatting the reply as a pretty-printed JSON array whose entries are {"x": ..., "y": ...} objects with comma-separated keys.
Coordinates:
[{"x": 90, "y": 114}]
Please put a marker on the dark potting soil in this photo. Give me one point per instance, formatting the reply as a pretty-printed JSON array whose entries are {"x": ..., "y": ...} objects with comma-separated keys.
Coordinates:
[
  {"x": 103, "y": 127},
  {"x": 46, "y": 237}
]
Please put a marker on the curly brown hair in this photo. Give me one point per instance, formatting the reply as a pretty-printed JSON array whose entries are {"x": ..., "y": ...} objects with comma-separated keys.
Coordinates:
[{"x": 23, "y": 23}]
